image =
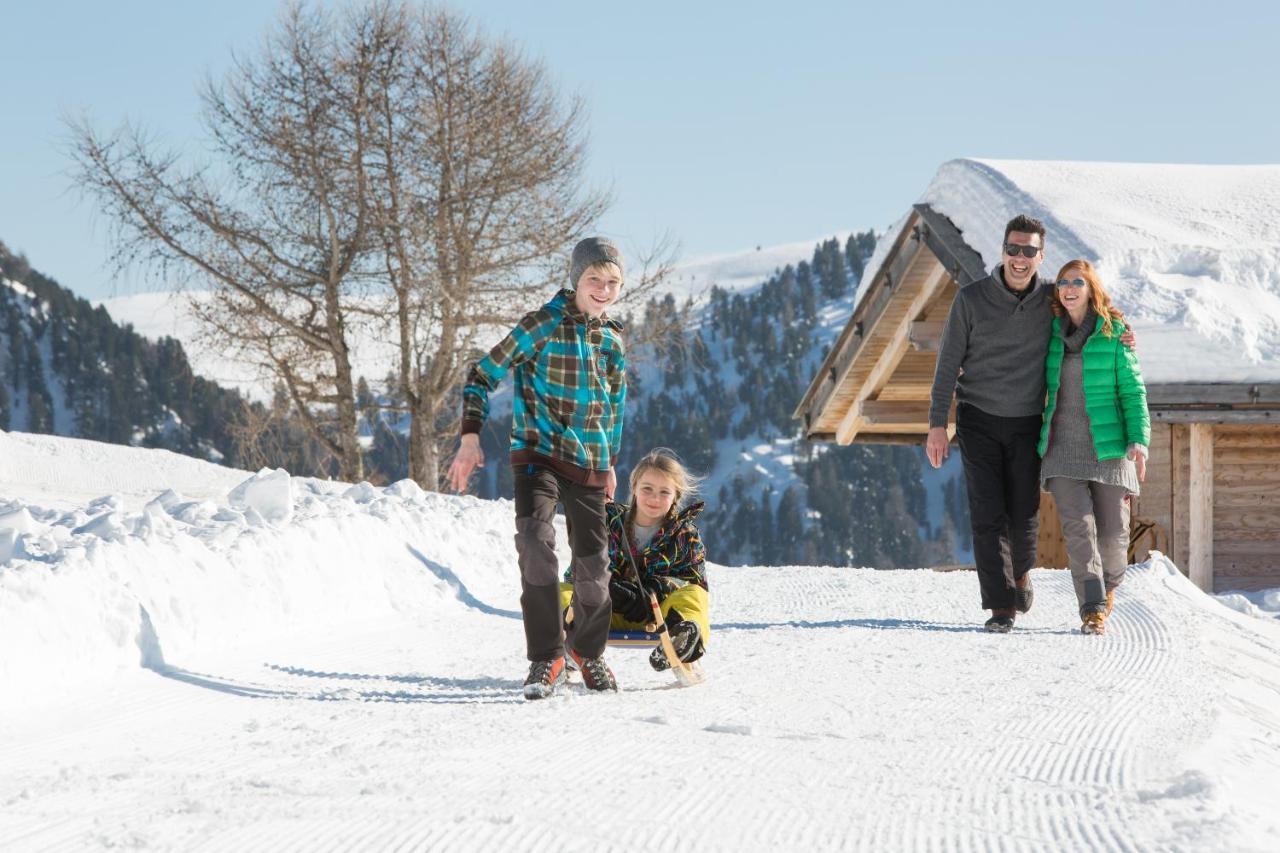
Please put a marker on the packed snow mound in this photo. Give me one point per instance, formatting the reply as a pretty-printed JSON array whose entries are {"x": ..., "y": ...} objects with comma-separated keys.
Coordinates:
[
  {"x": 71, "y": 472},
  {"x": 1191, "y": 253},
  {"x": 91, "y": 588}
]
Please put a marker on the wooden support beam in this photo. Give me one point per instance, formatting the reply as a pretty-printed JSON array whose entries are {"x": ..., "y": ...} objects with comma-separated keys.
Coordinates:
[
  {"x": 1179, "y": 513},
  {"x": 1189, "y": 393},
  {"x": 926, "y": 335},
  {"x": 1200, "y": 521},
  {"x": 1216, "y": 416}
]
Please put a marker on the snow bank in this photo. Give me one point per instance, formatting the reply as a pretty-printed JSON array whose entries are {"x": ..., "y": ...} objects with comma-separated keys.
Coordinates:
[
  {"x": 101, "y": 587},
  {"x": 1261, "y": 603}
]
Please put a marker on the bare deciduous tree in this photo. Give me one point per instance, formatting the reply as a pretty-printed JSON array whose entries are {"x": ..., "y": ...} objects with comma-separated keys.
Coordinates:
[
  {"x": 395, "y": 170},
  {"x": 277, "y": 226}
]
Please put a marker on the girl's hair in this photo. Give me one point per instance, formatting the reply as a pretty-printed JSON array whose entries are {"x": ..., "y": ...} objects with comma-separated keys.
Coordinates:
[
  {"x": 1098, "y": 295},
  {"x": 665, "y": 462}
]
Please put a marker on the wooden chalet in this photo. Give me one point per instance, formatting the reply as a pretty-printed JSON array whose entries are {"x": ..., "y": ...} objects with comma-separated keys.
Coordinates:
[{"x": 1211, "y": 500}]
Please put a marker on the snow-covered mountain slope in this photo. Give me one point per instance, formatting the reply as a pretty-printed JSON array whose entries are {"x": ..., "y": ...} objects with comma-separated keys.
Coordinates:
[
  {"x": 1191, "y": 253},
  {"x": 67, "y": 369},
  {"x": 738, "y": 272},
  {"x": 166, "y": 313},
  {"x": 305, "y": 665}
]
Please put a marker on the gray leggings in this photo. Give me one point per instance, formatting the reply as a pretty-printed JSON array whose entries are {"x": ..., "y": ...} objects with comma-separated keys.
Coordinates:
[{"x": 1095, "y": 522}]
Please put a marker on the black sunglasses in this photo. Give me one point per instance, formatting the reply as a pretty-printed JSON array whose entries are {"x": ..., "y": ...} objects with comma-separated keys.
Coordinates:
[{"x": 1013, "y": 250}]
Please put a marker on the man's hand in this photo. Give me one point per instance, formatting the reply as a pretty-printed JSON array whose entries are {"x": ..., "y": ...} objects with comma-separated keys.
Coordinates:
[
  {"x": 937, "y": 446},
  {"x": 468, "y": 458},
  {"x": 611, "y": 485},
  {"x": 1129, "y": 339}
]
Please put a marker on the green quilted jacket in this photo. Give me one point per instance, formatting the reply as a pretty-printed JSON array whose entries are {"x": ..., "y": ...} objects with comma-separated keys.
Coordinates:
[{"x": 1115, "y": 397}]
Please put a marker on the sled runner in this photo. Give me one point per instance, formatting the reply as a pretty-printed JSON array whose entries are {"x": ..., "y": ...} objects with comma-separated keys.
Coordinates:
[{"x": 687, "y": 674}]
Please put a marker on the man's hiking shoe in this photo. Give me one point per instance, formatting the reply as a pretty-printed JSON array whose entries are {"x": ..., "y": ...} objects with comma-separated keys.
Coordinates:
[
  {"x": 1001, "y": 621},
  {"x": 1094, "y": 622},
  {"x": 544, "y": 676},
  {"x": 596, "y": 674},
  {"x": 687, "y": 640},
  {"x": 1111, "y": 601},
  {"x": 1023, "y": 593}
]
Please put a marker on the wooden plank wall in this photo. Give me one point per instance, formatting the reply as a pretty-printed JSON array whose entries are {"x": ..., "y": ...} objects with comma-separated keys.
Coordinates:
[
  {"x": 1246, "y": 507},
  {"x": 1155, "y": 504},
  {"x": 1246, "y": 502}
]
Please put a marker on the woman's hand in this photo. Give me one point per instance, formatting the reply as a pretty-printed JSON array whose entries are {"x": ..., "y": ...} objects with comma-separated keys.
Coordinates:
[
  {"x": 1138, "y": 454},
  {"x": 611, "y": 485},
  {"x": 468, "y": 458}
]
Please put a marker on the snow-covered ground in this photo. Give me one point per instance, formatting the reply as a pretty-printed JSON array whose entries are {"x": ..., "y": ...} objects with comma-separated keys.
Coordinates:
[{"x": 300, "y": 665}]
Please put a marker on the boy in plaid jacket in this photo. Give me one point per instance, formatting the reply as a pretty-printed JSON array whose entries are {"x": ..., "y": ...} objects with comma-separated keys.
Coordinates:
[{"x": 570, "y": 389}]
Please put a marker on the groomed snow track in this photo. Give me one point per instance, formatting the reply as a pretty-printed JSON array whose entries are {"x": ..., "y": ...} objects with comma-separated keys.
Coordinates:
[{"x": 847, "y": 709}]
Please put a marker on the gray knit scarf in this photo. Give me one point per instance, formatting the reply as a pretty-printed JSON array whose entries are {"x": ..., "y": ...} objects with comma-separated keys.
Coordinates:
[{"x": 1074, "y": 337}]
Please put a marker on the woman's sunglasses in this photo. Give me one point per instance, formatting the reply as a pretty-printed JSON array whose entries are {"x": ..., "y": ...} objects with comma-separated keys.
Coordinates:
[
  {"x": 1013, "y": 250},
  {"x": 1075, "y": 282}
]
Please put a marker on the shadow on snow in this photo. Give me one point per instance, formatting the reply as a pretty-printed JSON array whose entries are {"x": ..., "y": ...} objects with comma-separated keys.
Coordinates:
[
  {"x": 437, "y": 690},
  {"x": 459, "y": 588},
  {"x": 874, "y": 624}
]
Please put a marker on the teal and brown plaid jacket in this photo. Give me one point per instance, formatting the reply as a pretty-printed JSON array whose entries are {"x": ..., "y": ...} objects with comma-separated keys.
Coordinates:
[{"x": 570, "y": 387}]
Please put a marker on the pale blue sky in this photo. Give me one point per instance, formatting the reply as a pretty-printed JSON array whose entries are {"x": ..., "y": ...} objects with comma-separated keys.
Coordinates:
[{"x": 728, "y": 124}]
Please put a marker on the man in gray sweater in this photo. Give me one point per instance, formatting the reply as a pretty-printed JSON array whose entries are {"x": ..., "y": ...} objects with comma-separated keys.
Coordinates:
[{"x": 992, "y": 358}]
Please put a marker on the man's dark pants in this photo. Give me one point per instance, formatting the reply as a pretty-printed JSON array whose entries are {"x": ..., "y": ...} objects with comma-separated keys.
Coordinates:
[
  {"x": 1002, "y": 471},
  {"x": 537, "y": 491}
]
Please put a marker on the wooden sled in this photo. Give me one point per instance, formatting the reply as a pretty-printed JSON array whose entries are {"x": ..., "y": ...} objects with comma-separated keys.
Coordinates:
[{"x": 655, "y": 633}]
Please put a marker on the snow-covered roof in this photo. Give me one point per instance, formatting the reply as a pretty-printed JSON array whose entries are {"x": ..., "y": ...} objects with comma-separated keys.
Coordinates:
[{"x": 1190, "y": 253}]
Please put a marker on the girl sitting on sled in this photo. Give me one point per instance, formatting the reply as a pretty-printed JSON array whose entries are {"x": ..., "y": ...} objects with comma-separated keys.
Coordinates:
[{"x": 655, "y": 547}]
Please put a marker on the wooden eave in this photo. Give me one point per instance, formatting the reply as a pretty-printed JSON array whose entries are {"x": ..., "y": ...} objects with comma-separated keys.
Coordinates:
[{"x": 928, "y": 254}]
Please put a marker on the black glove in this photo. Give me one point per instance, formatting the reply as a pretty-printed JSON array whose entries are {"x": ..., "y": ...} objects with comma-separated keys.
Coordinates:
[
  {"x": 653, "y": 585},
  {"x": 623, "y": 595}
]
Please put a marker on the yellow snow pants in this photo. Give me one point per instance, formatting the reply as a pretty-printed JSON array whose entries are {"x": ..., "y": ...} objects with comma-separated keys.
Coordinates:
[{"x": 690, "y": 600}]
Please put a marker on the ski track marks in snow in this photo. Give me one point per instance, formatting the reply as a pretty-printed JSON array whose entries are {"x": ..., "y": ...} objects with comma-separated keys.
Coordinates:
[{"x": 846, "y": 708}]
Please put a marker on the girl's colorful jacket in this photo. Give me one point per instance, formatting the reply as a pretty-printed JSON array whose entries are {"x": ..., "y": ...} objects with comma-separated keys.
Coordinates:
[
  {"x": 674, "y": 556},
  {"x": 570, "y": 388}
]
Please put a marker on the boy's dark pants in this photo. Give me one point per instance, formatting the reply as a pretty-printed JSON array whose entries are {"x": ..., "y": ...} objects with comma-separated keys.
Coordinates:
[
  {"x": 1002, "y": 471},
  {"x": 537, "y": 491}
]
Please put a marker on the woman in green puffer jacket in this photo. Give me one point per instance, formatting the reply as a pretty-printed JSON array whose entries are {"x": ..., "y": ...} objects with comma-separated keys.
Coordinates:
[{"x": 1094, "y": 438}]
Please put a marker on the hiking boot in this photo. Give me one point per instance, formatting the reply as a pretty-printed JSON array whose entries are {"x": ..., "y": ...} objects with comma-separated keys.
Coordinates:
[
  {"x": 1111, "y": 601},
  {"x": 687, "y": 640},
  {"x": 1023, "y": 593},
  {"x": 596, "y": 674},
  {"x": 1001, "y": 621},
  {"x": 1094, "y": 622},
  {"x": 544, "y": 676}
]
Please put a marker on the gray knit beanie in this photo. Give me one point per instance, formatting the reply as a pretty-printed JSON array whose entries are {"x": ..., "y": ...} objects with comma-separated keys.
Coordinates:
[{"x": 591, "y": 251}]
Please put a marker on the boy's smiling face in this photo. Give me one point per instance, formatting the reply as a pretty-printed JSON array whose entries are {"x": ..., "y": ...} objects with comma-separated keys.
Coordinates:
[{"x": 597, "y": 289}]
